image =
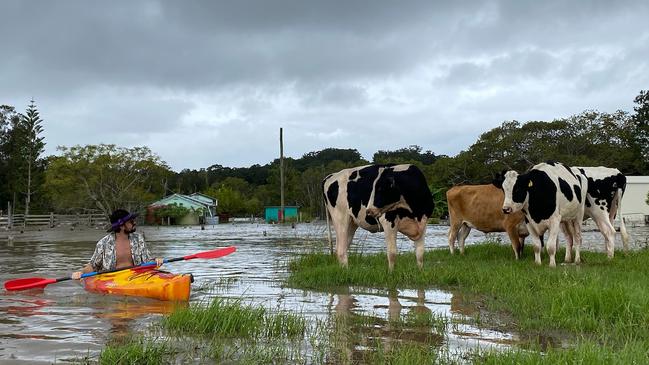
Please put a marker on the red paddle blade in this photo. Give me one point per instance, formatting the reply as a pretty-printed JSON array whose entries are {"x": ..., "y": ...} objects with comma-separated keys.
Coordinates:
[
  {"x": 214, "y": 254},
  {"x": 28, "y": 283}
]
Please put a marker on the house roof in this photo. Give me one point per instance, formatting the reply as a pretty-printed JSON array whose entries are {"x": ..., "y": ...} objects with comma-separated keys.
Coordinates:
[
  {"x": 203, "y": 198},
  {"x": 184, "y": 200}
]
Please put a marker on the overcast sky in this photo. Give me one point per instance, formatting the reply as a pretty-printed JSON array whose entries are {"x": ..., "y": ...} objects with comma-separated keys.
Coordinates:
[{"x": 211, "y": 82}]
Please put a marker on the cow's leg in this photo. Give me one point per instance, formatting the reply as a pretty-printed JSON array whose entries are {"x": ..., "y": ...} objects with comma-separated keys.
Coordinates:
[
  {"x": 576, "y": 224},
  {"x": 536, "y": 240},
  {"x": 464, "y": 233},
  {"x": 517, "y": 245},
  {"x": 566, "y": 227},
  {"x": 390, "y": 240},
  {"x": 552, "y": 244},
  {"x": 608, "y": 231},
  {"x": 617, "y": 210},
  {"x": 419, "y": 251},
  {"x": 452, "y": 234},
  {"x": 344, "y": 234}
]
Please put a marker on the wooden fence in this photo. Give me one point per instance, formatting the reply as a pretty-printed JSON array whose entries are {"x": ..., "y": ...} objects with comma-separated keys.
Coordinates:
[{"x": 52, "y": 220}]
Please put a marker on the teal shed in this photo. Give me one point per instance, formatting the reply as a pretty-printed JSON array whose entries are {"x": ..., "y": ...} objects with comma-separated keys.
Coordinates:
[{"x": 272, "y": 214}]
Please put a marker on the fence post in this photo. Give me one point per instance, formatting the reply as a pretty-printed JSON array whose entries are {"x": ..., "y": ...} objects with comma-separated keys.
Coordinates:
[{"x": 9, "y": 216}]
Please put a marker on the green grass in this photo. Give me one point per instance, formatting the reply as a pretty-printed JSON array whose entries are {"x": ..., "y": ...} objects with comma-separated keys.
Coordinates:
[
  {"x": 599, "y": 300},
  {"x": 229, "y": 318},
  {"x": 135, "y": 351},
  {"x": 587, "y": 352}
]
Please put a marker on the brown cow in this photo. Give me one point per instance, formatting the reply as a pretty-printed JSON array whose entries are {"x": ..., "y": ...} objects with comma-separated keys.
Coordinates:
[{"x": 480, "y": 207}]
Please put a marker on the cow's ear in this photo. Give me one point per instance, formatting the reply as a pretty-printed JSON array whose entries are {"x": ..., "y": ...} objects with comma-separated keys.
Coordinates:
[
  {"x": 530, "y": 184},
  {"x": 498, "y": 180}
]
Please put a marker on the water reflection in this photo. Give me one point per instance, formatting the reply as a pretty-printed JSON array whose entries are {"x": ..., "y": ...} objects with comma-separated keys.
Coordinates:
[{"x": 368, "y": 319}]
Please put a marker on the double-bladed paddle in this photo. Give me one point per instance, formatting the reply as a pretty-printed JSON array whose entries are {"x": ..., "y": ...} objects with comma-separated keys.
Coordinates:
[{"x": 29, "y": 283}]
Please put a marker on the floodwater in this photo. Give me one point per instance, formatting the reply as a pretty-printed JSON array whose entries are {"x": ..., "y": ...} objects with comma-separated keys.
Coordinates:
[{"x": 63, "y": 322}]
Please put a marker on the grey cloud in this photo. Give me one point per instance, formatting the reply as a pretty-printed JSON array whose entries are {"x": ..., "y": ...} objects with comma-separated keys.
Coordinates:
[{"x": 212, "y": 81}]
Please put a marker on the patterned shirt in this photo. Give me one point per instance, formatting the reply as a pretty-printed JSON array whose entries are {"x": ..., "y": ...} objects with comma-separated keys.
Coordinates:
[{"x": 105, "y": 258}]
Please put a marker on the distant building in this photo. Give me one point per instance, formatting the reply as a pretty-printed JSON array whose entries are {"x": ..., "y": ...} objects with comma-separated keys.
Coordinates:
[
  {"x": 273, "y": 215},
  {"x": 196, "y": 202},
  {"x": 634, "y": 202}
]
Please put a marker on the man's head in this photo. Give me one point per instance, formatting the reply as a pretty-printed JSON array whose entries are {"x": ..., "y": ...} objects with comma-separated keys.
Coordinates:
[{"x": 121, "y": 219}]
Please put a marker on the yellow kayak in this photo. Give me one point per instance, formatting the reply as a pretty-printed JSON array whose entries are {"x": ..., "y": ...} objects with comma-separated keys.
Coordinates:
[{"x": 142, "y": 282}]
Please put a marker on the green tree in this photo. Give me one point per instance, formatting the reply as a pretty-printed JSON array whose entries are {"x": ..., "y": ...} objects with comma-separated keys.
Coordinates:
[
  {"x": 22, "y": 147},
  {"x": 639, "y": 136},
  {"x": 171, "y": 211},
  {"x": 229, "y": 200},
  {"x": 411, "y": 154},
  {"x": 105, "y": 177},
  {"x": 9, "y": 118},
  {"x": 32, "y": 148},
  {"x": 328, "y": 155}
]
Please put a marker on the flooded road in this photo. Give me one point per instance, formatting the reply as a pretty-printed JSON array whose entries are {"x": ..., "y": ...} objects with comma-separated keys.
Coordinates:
[{"x": 63, "y": 322}]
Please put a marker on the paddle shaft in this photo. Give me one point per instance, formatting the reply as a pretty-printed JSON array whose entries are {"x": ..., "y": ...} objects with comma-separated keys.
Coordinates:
[{"x": 27, "y": 283}]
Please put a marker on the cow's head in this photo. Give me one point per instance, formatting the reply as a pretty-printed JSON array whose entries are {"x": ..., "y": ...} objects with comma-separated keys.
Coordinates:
[
  {"x": 386, "y": 194},
  {"x": 516, "y": 191}
]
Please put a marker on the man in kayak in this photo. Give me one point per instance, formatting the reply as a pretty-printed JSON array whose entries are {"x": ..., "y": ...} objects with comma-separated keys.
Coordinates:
[{"x": 121, "y": 248}]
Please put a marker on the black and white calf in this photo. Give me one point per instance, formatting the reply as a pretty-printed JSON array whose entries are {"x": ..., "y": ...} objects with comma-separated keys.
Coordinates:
[
  {"x": 392, "y": 198},
  {"x": 551, "y": 195},
  {"x": 604, "y": 200}
]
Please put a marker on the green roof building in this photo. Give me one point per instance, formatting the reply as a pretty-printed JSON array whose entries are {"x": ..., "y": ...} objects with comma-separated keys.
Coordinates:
[{"x": 202, "y": 208}]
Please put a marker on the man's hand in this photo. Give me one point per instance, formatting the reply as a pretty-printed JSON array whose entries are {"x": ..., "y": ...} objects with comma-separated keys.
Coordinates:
[
  {"x": 159, "y": 261},
  {"x": 76, "y": 275}
]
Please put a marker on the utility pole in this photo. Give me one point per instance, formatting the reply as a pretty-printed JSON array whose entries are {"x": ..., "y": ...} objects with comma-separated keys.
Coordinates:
[{"x": 281, "y": 175}]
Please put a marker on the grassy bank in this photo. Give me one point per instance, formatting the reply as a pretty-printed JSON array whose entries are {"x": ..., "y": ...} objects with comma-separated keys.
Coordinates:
[{"x": 601, "y": 304}]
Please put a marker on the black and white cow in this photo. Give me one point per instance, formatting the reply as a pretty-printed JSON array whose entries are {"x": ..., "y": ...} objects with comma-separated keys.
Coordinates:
[
  {"x": 392, "y": 198},
  {"x": 604, "y": 200},
  {"x": 552, "y": 196}
]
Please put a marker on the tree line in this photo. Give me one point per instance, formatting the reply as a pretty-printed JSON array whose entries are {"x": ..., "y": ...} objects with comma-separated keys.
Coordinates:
[{"x": 104, "y": 177}]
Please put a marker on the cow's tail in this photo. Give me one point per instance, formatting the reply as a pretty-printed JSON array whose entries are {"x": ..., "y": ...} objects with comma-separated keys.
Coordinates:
[
  {"x": 331, "y": 245},
  {"x": 623, "y": 232}
]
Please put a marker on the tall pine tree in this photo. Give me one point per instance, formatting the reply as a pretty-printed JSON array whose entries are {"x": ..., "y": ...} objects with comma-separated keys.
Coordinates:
[
  {"x": 34, "y": 147},
  {"x": 23, "y": 148}
]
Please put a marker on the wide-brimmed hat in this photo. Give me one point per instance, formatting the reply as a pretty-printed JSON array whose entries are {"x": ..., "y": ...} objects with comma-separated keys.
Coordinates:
[{"x": 120, "y": 217}]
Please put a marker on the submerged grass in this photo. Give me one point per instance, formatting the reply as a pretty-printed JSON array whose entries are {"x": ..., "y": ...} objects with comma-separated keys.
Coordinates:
[
  {"x": 135, "y": 351},
  {"x": 601, "y": 300},
  {"x": 230, "y": 318},
  {"x": 226, "y": 330}
]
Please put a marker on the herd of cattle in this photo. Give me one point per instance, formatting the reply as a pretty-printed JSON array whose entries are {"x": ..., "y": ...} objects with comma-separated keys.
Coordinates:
[{"x": 550, "y": 197}]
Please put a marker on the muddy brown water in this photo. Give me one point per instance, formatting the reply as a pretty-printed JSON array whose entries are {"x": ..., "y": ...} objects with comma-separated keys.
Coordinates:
[{"x": 63, "y": 322}]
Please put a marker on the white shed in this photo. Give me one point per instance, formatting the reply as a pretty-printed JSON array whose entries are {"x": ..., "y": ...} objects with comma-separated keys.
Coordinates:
[{"x": 634, "y": 202}]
